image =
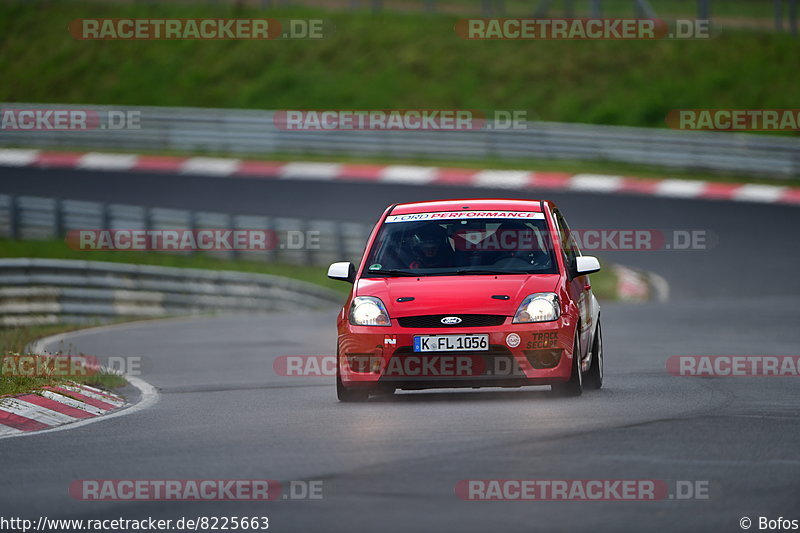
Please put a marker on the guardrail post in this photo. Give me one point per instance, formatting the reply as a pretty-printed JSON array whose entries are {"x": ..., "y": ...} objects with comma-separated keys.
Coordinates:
[
  {"x": 105, "y": 216},
  {"x": 58, "y": 218},
  {"x": 338, "y": 239},
  {"x": 231, "y": 225},
  {"x": 192, "y": 227},
  {"x": 596, "y": 9},
  {"x": 147, "y": 221},
  {"x": 269, "y": 228},
  {"x": 304, "y": 226},
  {"x": 644, "y": 9},
  {"x": 542, "y": 8},
  {"x": 703, "y": 10},
  {"x": 13, "y": 218}
]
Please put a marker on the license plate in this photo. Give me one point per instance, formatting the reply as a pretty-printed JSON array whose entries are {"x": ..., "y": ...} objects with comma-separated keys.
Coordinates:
[{"x": 451, "y": 343}]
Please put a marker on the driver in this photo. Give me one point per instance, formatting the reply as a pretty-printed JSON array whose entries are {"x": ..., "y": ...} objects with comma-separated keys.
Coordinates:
[
  {"x": 431, "y": 248},
  {"x": 523, "y": 243}
]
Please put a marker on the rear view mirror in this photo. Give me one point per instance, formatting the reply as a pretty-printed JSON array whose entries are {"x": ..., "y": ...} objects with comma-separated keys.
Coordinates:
[
  {"x": 586, "y": 264},
  {"x": 343, "y": 270}
]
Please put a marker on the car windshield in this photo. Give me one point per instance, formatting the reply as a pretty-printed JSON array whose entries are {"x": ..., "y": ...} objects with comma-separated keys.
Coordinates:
[{"x": 456, "y": 243}]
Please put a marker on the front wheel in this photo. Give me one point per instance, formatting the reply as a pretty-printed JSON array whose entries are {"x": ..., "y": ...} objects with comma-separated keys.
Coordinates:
[
  {"x": 573, "y": 387},
  {"x": 594, "y": 377},
  {"x": 345, "y": 394}
]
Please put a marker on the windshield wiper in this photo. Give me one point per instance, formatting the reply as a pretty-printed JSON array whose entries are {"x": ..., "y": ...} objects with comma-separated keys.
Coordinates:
[
  {"x": 483, "y": 271},
  {"x": 394, "y": 272}
]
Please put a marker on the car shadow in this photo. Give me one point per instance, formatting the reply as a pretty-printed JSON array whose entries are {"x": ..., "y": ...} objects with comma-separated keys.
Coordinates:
[{"x": 527, "y": 394}]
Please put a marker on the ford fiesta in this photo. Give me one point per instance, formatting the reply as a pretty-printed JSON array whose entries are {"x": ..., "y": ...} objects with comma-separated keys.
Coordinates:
[{"x": 469, "y": 293}]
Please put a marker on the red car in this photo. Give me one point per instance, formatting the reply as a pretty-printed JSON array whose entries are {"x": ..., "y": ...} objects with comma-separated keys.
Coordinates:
[{"x": 469, "y": 293}]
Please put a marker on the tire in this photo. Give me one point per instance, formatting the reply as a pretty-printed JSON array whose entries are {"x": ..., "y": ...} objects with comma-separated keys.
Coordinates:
[
  {"x": 594, "y": 377},
  {"x": 345, "y": 394},
  {"x": 573, "y": 387}
]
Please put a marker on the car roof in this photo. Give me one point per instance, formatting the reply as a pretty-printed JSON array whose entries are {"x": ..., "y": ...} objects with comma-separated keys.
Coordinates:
[{"x": 470, "y": 204}]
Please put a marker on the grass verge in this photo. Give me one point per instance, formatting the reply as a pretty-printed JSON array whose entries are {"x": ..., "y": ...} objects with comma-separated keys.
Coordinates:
[
  {"x": 22, "y": 375},
  {"x": 386, "y": 61}
]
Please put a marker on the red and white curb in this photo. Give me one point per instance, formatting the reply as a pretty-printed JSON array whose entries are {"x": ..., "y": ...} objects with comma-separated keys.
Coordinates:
[
  {"x": 403, "y": 174},
  {"x": 639, "y": 285},
  {"x": 68, "y": 406},
  {"x": 54, "y": 406}
]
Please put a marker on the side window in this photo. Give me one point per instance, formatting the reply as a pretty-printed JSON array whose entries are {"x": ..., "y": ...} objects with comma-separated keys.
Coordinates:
[{"x": 568, "y": 245}]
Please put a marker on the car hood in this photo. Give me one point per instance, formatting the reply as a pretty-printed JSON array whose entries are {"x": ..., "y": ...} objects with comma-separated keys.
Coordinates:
[{"x": 434, "y": 295}]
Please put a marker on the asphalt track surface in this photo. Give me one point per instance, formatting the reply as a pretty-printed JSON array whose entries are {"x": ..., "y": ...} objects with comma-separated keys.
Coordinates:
[{"x": 392, "y": 464}]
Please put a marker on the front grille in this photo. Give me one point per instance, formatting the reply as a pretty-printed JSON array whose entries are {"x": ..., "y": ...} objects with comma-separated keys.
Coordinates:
[
  {"x": 497, "y": 361},
  {"x": 435, "y": 321}
]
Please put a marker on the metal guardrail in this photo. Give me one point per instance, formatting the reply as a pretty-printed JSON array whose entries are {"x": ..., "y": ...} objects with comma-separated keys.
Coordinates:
[
  {"x": 38, "y": 218},
  {"x": 783, "y": 12},
  {"x": 45, "y": 291},
  {"x": 49, "y": 291},
  {"x": 232, "y": 131}
]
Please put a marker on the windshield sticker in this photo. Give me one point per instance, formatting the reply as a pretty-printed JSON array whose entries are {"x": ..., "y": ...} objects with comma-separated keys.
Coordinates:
[{"x": 447, "y": 215}]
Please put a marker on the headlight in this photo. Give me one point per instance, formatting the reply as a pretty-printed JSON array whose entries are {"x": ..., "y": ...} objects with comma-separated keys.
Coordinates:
[
  {"x": 368, "y": 311},
  {"x": 538, "y": 307}
]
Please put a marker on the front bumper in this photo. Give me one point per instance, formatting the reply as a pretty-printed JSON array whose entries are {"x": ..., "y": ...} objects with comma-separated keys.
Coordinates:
[{"x": 517, "y": 355}]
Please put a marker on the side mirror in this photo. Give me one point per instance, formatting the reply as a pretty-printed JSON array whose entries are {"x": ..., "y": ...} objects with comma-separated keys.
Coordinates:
[
  {"x": 586, "y": 264},
  {"x": 343, "y": 270}
]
